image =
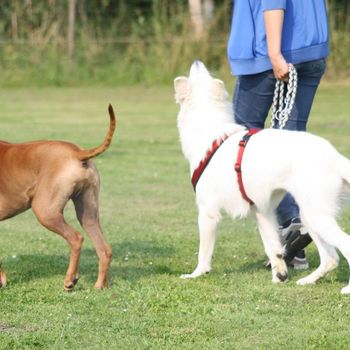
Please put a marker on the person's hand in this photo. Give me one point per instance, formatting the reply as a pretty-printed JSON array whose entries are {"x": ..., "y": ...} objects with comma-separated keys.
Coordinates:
[{"x": 280, "y": 67}]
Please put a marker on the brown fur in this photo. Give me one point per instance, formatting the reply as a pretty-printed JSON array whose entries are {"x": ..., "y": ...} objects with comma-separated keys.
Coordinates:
[{"x": 44, "y": 176}]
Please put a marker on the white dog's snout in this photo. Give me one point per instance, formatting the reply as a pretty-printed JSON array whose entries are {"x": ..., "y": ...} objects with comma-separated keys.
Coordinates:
[
  {"x": 198, "y": 70},
  {"x": 198, "y": 63}
]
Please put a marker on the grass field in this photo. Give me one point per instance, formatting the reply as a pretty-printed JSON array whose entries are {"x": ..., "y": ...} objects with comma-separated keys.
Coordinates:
[{"x": 149, "y": 217}]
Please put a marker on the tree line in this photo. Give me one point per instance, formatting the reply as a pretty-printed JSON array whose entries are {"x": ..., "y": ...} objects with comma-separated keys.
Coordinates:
[
  {"x": 23, "y": 19},
  {"x": 137, "y": 33}
]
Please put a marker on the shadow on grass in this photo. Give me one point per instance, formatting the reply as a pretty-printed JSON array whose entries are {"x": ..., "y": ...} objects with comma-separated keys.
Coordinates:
[
  {"x": 341, "y": 273},
  {"x": 247, "y": 267},
  {"x": 132, "y": 260},
  {"x": 25, "y": 268}
]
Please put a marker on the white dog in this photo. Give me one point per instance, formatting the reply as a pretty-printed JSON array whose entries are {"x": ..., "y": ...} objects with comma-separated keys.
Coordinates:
[{"x": 274, "y": 162}]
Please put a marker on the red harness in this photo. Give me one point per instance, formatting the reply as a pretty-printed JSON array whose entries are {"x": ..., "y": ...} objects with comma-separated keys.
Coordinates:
[
  {"x": 204, "y": 162},
  {"x": 242, "y": 144},
  {"x": 215, "y": 146}
]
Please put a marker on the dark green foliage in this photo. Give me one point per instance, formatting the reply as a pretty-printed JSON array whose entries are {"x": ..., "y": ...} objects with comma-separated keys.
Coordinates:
[{"x": 125, "y": 42}]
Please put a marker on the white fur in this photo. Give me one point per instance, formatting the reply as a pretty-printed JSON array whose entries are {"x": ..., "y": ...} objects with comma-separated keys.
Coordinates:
[{"x": 274, "y": 162}]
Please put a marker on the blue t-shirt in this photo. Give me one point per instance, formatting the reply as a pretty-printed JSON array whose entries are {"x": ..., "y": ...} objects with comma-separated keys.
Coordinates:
[{"x": 304, "y": 37}]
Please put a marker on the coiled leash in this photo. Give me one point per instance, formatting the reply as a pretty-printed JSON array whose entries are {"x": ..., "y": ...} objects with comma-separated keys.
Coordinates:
[{"x": 283, "y": 101}]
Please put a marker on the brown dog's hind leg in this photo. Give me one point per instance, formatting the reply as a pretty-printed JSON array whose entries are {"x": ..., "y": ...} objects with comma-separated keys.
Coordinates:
[
  {"x": 86, "y": 206},
  {"x": 2, "y": 276},
  {"x": 55, "y": 222}
]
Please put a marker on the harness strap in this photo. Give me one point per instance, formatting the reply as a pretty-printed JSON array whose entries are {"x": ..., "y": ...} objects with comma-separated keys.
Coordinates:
[
  {"x": 242, "y": 144},
  {"x": 204, "y": 162}
]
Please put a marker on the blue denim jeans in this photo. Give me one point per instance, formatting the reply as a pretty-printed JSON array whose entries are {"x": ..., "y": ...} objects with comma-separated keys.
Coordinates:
[{"x": 252, "y": 101}]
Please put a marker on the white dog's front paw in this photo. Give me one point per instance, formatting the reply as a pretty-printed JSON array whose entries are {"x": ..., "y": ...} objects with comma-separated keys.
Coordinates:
[
  {"x": 188, "y": 276},
  {"x": 196, "y": 273},
  {"x": 306, "y": 280},
  {"x": 279, "y": 271},
  {"x": 280, "y": 278},
  {"x": 346, "y": 290}
]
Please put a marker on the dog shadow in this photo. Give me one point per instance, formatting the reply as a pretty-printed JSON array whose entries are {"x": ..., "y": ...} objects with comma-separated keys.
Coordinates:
[
  {"x": 340, "y": 274},
  {"x": 24, "y": 268},
  {"x": 132, "y": 260}
]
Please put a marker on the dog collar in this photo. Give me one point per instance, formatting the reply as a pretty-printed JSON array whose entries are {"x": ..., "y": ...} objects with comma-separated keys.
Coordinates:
[
  {"x": 238, "y": 168},
  {"x": 204, "y": 162}
]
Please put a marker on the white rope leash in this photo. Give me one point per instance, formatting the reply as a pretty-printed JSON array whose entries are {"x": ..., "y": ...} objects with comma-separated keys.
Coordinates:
[{"x": 283, "y": 103}]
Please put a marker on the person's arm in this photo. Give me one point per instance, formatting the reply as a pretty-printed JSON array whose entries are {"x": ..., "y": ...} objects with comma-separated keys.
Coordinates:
[{"x": 273, "y": 25}]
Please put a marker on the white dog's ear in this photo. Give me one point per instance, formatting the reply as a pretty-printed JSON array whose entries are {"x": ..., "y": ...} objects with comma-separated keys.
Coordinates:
[
  {"x": 218, "y": 90},
  {"x": 182, "y": 88}
]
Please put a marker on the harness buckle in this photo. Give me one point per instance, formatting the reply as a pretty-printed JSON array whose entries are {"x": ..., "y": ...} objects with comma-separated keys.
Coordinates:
[{"x": 238, "y": 167}]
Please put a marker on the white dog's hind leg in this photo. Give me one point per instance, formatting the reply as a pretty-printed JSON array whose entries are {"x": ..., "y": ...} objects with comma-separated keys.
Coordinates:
[
  {"x": 207, "y": 231},
  {"x": 273, "y": 247},
  {"x": 329, "y": 260}
]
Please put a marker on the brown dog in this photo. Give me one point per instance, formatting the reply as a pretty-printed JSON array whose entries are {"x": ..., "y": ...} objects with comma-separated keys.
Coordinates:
[{"x": 45, "y": 175}]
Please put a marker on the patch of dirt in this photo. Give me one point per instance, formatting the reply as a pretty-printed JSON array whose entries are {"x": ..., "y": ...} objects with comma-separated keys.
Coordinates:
[
  {"x": 8, "y": 328},
  {"x": 4, "y": 327}
]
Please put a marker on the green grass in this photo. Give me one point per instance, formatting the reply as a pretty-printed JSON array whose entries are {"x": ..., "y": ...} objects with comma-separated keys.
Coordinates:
[{"x": 148, "y": 214}]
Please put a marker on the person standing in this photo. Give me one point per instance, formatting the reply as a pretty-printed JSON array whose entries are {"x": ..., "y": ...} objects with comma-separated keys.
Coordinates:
[{"x": 266, "y": 36}]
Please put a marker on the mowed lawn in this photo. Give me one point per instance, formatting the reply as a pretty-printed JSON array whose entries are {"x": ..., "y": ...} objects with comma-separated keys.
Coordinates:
[{"x": 148, "y": 215}]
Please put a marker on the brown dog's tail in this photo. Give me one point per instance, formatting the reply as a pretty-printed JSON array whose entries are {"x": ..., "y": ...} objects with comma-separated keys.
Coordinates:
[{"x": 93, "y": 152}]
